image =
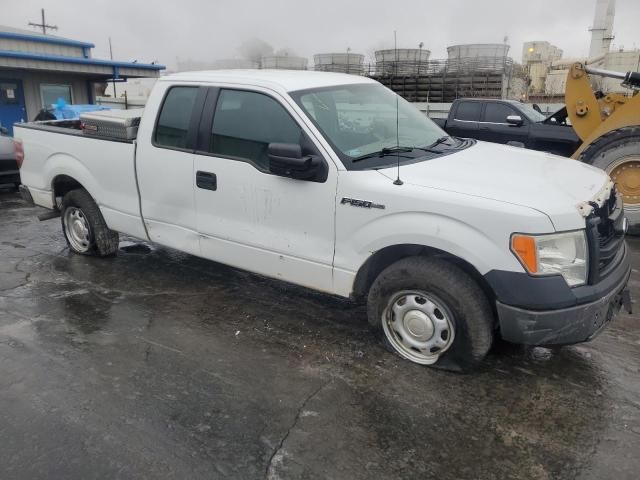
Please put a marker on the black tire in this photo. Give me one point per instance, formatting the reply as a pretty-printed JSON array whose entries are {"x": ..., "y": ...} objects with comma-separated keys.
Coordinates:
[
  {"x": 102, "y": 242},
  {"x": 610, "y": 151},
  {"x": 458, "y": 292}
]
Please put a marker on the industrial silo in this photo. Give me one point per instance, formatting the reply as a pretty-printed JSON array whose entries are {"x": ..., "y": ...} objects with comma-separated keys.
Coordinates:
[
  {"x": 478, "y": 57},
  {"x": 339, "y": 62},
  {"x": 402, "y": 61},
  {"x": 233, "y": 63},
  {"x": 284, "y": 62}
]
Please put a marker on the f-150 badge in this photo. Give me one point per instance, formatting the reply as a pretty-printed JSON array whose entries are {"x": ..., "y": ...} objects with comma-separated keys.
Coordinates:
[{"x": 361, "y": 203}]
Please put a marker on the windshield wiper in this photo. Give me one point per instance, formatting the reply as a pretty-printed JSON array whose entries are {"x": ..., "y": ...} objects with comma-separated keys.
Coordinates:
[
  {"x": 440, "y": 141},
  {"x": 386, "y": 151},
  {"x": 395, "y": 150}
]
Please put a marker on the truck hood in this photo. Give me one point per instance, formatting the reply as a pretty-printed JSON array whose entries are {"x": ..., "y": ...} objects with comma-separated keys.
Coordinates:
[{"x": 553, "y": 185}]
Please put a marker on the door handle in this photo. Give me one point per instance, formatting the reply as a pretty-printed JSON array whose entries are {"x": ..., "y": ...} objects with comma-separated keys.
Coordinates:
[{"x": 206, "y": 180}]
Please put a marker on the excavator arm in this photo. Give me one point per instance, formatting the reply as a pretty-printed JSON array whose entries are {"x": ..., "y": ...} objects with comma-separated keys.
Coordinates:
[
  {"x": 593, "y": 115},
  {"x": 609, "y": 126}
]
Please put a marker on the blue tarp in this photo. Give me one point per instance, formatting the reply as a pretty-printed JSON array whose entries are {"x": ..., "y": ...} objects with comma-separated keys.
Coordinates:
[{"x": 64, "y": 111}]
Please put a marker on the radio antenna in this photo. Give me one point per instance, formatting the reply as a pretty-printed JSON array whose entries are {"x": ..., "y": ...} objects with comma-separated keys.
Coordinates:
[{"x": 397, "y": 181}]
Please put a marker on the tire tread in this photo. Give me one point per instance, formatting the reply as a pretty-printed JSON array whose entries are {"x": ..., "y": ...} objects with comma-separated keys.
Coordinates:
[
  {"x": 472, "y": 311},
  {"x": 105, "y": 241}
]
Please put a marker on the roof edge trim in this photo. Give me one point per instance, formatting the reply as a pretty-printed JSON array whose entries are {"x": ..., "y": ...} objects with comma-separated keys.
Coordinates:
[
  {"x": 45, "y": 39},
  {"x": 79, "y": 60}
]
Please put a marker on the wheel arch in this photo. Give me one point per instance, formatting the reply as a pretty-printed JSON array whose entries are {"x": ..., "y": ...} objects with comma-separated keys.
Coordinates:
[
  {"x": 381, "y": 259},
  {"x": 62, "y": 184},
  {"x": 67, "y": 173}
]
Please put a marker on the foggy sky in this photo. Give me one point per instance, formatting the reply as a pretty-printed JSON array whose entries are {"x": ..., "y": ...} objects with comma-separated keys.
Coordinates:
[{"x": 212, "y": 29}]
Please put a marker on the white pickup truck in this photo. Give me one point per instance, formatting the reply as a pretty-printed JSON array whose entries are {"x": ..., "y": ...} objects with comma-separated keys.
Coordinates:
[{"x": 332, "y": 182}]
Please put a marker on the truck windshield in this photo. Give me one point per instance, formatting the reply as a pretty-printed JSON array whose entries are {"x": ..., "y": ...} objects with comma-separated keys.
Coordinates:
[
  {"x": 532, "y": 113},
  {"x": 360, "y": 120}
]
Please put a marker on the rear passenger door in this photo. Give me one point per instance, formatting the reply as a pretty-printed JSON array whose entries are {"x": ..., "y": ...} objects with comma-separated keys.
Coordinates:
[
  {"x": 494, "y": 126},
  {"x": 249, "y": 217},
  {"x": 464, "y": 122},
  {"x": 165, "y": 163}
]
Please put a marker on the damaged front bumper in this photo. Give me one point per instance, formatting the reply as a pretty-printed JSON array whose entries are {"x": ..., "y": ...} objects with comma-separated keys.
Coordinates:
[
  {"x": 561, "y": 327},
  {"x": 554, "y": 315}
]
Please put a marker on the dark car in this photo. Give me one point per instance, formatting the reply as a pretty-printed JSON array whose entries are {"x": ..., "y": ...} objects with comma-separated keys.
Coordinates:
[
  {"x": 508, "y": 121},
  {"x": 9, "y": 173}
]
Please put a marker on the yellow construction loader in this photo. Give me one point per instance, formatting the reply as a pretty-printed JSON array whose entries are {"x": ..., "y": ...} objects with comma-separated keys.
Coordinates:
[{"x": 609, "y": 127}]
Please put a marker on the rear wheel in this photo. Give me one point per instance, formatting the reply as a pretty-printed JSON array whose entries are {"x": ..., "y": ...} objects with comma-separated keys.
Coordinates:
[
  {"x": 84, "y": 227},
  {"x": 618, "y": 153},
  {"x": 429, "y": 311}
]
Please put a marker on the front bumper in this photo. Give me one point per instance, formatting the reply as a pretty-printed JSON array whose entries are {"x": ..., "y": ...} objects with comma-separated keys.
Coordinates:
[{"x": 579, "y": 319}]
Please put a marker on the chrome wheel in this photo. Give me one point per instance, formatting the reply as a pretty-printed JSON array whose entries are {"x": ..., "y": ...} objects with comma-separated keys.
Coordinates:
[
  {"x": 77, "y": 230},
  {"x": 419, "y": 326}
]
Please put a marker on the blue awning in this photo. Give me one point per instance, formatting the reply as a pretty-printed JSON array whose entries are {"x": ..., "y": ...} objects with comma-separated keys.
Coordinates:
[
  {"x": 79, "y": 60},
  {"x": 45, "y": 39}
]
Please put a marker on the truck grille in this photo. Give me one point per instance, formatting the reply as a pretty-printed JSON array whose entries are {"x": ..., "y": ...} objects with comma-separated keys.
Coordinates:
[{"x": 605, "y": 235}]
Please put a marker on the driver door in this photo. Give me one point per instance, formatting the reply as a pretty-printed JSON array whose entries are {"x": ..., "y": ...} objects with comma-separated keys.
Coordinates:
[
  {"x": 495, "y": 128},
  {"x": 248, "y": 217}
]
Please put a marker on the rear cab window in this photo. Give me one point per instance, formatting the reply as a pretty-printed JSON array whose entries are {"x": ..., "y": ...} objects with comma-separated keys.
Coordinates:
[
  {"x": 468, "y": 111},
  {"x": 172, "y": 126}
]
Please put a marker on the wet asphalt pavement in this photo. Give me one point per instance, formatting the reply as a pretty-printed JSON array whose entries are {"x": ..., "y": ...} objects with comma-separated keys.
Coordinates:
[{"x": 156, "y": 364}]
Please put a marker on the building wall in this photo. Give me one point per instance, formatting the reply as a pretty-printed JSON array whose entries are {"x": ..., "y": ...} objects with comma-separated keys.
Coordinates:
[
  {"x": 537, "y": 57},
  {"x": 540, "y": 51},
  {"x": 16, "y": 45},
  {"x": 620, "y": 61},
  {"x": 31, "y": 82},
  {"x": 555, "y": 82}
]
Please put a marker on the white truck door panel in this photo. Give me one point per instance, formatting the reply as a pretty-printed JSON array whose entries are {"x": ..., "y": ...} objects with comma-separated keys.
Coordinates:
[
  {"x": 276, "y": 226},
  {"x": 165, "y": 166}
]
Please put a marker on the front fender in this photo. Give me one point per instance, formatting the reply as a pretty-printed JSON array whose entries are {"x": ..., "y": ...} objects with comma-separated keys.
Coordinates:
[{"x": 431, "y": 230}]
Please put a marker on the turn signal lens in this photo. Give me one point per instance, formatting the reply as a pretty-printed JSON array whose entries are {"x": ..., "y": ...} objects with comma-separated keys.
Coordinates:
[{"x": 524, "y": 247}]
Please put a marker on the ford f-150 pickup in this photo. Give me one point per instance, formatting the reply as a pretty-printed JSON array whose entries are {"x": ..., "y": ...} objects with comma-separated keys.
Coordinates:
[
  {"x": 332, "y": 182},
  {"x": 509, "y": 122}
]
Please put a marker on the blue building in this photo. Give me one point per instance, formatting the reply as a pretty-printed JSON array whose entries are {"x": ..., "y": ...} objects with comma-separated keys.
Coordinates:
[{"x": 36, "y": 70}]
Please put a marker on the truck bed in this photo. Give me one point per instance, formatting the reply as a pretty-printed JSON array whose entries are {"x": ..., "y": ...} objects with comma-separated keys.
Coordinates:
[{"x": 104, "y": 167}]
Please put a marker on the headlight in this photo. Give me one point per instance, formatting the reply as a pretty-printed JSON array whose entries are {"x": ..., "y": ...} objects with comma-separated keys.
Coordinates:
[{"x": 565, "y": 254}]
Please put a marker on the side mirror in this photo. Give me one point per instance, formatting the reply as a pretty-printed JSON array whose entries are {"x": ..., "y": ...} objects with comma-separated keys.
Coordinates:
[
  {"x": 4, "y": 131},
  {"x": 286, "y": 160},
  {"x": 515, "y": 120}
]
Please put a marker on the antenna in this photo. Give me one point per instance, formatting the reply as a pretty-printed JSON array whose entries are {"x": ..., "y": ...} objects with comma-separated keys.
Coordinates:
[
  {"x": 44, "y": 24},
  {"x": 397, "y": 181}
]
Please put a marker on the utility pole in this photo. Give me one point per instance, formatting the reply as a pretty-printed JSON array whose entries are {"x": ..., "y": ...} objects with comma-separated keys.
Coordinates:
[
  {"x": 115, "y": 95},
  {"x": 43, "y": 25}
]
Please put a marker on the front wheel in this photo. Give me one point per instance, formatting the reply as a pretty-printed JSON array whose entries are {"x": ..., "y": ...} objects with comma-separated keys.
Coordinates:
[
  {"x": 84, "y": 227},
  {"x": 431, "y": 312}
]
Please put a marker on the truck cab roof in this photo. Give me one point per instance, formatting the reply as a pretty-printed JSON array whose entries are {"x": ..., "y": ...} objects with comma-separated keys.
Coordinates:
[{"x": 283, "y": 80}]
